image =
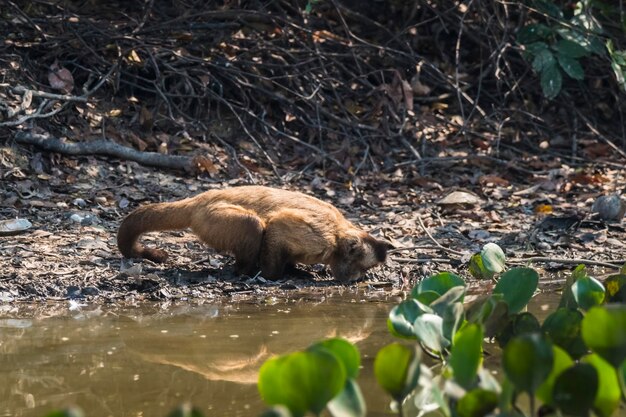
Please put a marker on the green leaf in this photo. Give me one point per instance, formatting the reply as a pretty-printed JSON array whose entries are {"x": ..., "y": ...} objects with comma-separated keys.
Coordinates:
[
  {"x": 186, "y": 410},
  {"x": 591, "y": 43},
  {"x": 535, "y": 48},
  {"x": 349, "y": 402},
  {"x": 439, "y": 283},
  {"x": 588, "y": 292},
  {"x": 397, "y": 370},
  {"x": 429, "y": 330},
  {"x": 427, "y": 297},
  {"x": 466, "y": 355},
  {"x": 498, "y": 319},
  {"x": 551, "y": 81},
  {"x": 603, "y": 331},
  {"x": 477, "y": 403},
  {"x": 621, "y": 372},
  {"x": 567, "y": 297},
  {"x": 487, "y": 381},
  {"x": 616, "y": 288},
  {"x": 345, "y": 352},
  {"x": 618, "y": 64},
  {"x": 430, "y": 396},
  {"x": 527, "y": 361},
  {"x": 533, "y": 33},
  {"x": 549, "y": 8},
  {"x": 572, "y": 67},
  {"x": 563, "y": 328},
  {"x": 507, "y": 398},
  {"x": 302, "y": 381},
  {"x": 479, "y": 309},
  {"x": 579, "y": 272},
  {"x": 620, "y": 74},
  {"x": 518, "y": 324},
  {"x": 452, "y": 296},
  {"x": 562, "y": 361},
  {"x": 575, "y": 389},
  {"x": 517, "y": 286},
  {"x": 277, "y": 411},
  {"x": 477, "y": 268},
  {"x": 543, "y": 60},
  {"x": 402, "y": 317},
  {"x": 570, "y": 49},
  {"x": 608, "y": 396},
  {"x": 70, "y": 412},
  {"x": 453, "y": 318},
  {"x": 493, "y": 258}
]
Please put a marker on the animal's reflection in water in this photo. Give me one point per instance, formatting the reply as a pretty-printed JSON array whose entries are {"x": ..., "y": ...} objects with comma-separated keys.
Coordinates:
[{"x": 233, "y": 349}]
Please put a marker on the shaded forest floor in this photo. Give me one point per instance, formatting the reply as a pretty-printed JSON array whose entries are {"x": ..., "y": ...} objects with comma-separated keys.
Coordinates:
[
  {"x": 397, "y": 113},
  {"x": 70, "y": 252}
]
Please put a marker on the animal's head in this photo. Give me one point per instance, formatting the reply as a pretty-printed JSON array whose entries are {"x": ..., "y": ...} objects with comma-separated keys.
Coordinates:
[{"x": 356, "y": 253}]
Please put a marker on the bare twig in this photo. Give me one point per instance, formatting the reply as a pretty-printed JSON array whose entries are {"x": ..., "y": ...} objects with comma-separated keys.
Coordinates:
[
  {"x": 547, "y": 259},
  {"x": 60, "y": 97},
  {"x": 439, "y": 245},
  {"x": 422, "y": 260},
  {"x": 36, "y": 115}
]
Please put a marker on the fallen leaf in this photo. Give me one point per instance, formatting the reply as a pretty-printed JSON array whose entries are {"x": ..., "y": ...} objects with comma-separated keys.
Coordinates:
[
  {"x": 543, "y": 209},
  {"x": 60, "y": 78},
  {"x": 14, "y": 226},
  {"x": 493, "y": 180},
  {"x": 459, "y": 198},
  {"x": 205, "y": 164}
]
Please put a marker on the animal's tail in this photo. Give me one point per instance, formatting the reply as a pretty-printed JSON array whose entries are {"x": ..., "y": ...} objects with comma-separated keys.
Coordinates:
[{"x": 150, "y": 218}]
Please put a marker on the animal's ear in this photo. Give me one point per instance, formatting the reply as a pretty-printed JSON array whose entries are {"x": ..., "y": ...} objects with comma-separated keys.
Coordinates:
[
  {"x": 380, "y": 249},
  {"x": 351, "y": 244},
  {"x": 388, "y": 245}
]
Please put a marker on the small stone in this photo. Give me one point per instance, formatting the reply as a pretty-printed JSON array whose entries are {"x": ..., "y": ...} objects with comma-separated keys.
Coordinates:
[
  {"x": 132, "y": 270},
  {"x": 100, "y": 200},
  {"x": 460, "y": 198},
  {"x": 77, "y": 218},
  {"x": 609, "y": 207},
  {"x": 479, "y": 234},
  {"x": 123, "y": 203},
  {"x": 89, "y": 220},
  {"x": 90, "y": 291},
  {"x": 72, "y": 291},
  {"x": 79, "y": 202},
  {"x": 543, "y": 246}
]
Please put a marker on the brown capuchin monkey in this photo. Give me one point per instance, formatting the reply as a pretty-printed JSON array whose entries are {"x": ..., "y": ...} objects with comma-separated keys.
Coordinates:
[{"x": 262, "y": 227}]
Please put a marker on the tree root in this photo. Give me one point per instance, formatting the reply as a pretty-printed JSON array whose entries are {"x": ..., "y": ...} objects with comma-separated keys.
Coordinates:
[{"x": 104, "y": 147}]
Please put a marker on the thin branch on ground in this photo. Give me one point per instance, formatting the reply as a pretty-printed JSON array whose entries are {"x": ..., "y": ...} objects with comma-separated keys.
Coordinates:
[
  {"x": 439, "y": 245},
  {"x": 617, "y": 264},
  {"x": 422, "y": 260}
]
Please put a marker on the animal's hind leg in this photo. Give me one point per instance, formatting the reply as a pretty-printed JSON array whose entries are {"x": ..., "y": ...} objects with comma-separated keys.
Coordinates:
[
  {"x": 234, "y": 229},
  {"x": 274, "y": 254}
]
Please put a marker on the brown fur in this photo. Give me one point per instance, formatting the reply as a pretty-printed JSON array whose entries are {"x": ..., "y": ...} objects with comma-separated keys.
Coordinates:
[{"x": 260, "y": 226}]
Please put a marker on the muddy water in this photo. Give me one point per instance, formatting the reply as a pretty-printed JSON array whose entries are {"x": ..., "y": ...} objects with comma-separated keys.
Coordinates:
[{"x": 144, "y": 360}]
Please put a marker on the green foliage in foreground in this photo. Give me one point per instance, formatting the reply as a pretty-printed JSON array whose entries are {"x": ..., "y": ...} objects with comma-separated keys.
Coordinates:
[{"x": 574, "y": 363}]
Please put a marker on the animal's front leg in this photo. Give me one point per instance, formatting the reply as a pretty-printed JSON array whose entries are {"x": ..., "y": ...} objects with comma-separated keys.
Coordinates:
[{"x": 272, "y": 263}]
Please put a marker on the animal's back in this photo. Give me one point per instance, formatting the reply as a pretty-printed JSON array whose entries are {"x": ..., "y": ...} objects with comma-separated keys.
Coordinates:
[{"x": 267, "y": 201}]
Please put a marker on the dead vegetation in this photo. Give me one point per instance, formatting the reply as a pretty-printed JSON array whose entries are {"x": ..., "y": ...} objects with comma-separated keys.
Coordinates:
[{"x": 381, "y": 107}]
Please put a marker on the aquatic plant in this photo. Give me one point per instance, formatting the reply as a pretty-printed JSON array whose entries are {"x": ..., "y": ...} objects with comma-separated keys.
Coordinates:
[{"x": 573, "y": 363}]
